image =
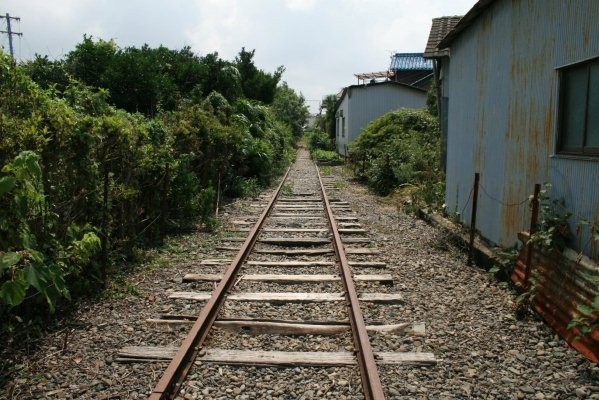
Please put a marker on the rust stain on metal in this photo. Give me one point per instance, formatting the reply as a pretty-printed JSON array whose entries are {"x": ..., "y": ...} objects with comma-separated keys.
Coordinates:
[
  {"x": 371, "y": 382},
  {"x": 176, "y": 372},
  {"x": 561, "y": 288}
]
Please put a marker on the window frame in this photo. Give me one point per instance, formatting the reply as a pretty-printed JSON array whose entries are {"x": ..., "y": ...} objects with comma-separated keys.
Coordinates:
[{"x": 583, "y": 150}]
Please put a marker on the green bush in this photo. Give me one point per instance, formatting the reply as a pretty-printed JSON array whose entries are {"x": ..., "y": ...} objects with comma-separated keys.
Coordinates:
[
  {"x": 326, "y": 157},
  {"x": 402, "y": 148},
  {"x": 83, "y": 184},
  {"x": 317, "y": 139}
]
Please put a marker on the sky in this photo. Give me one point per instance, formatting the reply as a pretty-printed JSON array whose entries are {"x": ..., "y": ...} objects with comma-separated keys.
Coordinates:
[{"x": 321, "y": 43}]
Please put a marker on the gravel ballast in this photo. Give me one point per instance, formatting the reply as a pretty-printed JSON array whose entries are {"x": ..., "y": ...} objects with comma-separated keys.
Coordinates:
[{"x": 483, "y": 350}]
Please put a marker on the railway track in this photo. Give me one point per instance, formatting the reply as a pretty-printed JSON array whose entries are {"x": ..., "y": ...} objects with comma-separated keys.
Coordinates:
[{"x": 288, "y": 293}]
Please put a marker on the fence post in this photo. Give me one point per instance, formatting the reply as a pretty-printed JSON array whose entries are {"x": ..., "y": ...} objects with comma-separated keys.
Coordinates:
[
  {"x": 473, "y": 218},
  {"x": 533, "y": 228},
  {"x": 105, "y": 225},
  {"x": 164, "y": 203}
]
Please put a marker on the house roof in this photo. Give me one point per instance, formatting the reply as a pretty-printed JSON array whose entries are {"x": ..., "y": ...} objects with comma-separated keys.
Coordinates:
[
  {"x": 465, "y": 22},
  {"x": 440, "y": 28},
  {"x": 410, "y": 62},
  {"x": 399, "y": 85}
]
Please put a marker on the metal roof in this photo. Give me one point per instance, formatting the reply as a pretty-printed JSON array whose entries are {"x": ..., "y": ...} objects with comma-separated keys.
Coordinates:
[
  {"x": 410, "y": 62},
  {"x": 439, "y": 29}
]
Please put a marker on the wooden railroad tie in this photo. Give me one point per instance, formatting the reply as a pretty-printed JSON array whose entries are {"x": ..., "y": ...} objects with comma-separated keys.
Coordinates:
[
  {"x": 296, "y": 328},
  {"x": 356, "y": 264},
  {"x": 274, "y": 358},
  {"x": 290, "y": 297},
  {"x": 383, "y": 278}
]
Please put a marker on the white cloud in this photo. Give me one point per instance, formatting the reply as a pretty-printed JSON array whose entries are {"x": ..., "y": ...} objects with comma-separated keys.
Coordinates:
[
  {"x": 300, "y": 5},
  {"x": 321, "y": 43}
]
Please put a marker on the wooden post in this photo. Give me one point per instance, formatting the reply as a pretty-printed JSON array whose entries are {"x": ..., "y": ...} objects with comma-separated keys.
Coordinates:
[
  {"x": 473, "y": 218},
  {"x": 534, "y": 216},
  {"x": 164, "y": 203},
  {"x": 105, "y": 226}
]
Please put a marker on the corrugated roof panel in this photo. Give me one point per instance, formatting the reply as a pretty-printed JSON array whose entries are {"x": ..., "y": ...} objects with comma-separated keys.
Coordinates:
[{"x": 410, "y": 61}]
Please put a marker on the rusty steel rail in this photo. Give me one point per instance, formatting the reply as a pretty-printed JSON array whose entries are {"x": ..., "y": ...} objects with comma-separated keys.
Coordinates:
[
  {"x": 371, "y": 382},
  {"x": 169, "y": 384}
]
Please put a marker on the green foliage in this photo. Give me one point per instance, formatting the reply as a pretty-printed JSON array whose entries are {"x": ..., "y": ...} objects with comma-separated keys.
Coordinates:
[
  {"x": 317, "y": 139},
  {"x": 588, "y": 319},
  {"x": 256, "y": 84},
  {"x": 326, "y": 122},
  {"x": 290, "y": 108},
  {"x": 552, "y": 230},
  {"x": 326, "y": 157},
  {"x": 32, "y": 262},
  {"x": 402, "y": 148},
  {"x": 432, "y": 104},
  {"x": 83, "y": 182}
]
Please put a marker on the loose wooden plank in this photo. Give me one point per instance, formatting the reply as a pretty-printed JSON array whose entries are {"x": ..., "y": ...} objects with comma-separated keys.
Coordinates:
[
  {"x": 274, "y": 358},
  {"x": 385, "y": 278},
  {"x": 289, "y": 297}
]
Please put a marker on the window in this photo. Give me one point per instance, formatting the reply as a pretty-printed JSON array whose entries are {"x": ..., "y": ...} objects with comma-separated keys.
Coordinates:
[
  {"x": 343, "y": 127},
  {"x": 579, "y": 109}
]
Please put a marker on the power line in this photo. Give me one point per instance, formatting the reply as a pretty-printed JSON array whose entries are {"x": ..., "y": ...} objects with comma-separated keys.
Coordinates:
[{"x": 10, "y": 33}]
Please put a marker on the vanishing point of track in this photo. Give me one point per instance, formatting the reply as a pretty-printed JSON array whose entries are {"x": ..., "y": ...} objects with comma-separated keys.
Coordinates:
[{"x": 298, "y": 222}]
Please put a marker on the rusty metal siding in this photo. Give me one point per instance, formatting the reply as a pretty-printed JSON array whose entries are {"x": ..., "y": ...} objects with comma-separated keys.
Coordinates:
[
  {"x": 577, "y": 182},
  {"x": 502, "y": 107}
]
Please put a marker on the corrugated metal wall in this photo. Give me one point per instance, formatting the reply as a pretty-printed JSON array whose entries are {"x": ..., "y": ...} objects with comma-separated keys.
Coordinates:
[
  {"x": 503, "y": 96},
  {"x": 363, "y": 104},
  {"x": 342, "y": 140}
]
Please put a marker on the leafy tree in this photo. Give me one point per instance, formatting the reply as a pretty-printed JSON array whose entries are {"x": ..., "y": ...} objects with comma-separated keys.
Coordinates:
[
  {"x": 290, "y": 108},
  {"x": 47, "y": 73},
  {"x": 257, "y": 84},
  {"x": 327, "y": 122},
  {"x": 90, "y": 60}
]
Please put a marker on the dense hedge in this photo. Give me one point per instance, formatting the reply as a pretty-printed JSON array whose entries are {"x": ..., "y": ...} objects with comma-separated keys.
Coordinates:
[
  {"x": 402, "y": 148},
  {"x": 83, "y": 183}
]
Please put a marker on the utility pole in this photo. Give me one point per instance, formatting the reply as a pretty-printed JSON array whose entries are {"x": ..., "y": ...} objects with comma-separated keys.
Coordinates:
[{"x": 9, "y": 32}]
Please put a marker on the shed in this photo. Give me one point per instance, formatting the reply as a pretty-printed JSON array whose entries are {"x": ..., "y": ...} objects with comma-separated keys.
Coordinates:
[
  {"x": 519, "y": 89},
  {"x": 360, "y": 104},
  {"x": 522, "y": 107},
  {"x": 440, "y": 28}
]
